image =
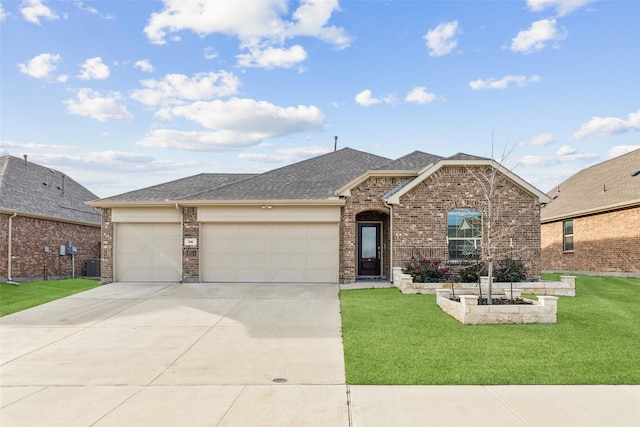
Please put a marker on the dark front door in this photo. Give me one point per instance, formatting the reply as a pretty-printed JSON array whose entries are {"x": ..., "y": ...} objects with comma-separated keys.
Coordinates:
[{"x": 369, "y": 250}]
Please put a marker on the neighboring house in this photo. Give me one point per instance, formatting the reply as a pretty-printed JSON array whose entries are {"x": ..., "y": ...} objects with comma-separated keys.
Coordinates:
[
  {"x": 42, "y": 209},
  {"x": 592, "y": 225},
  {"x": 334, "y": 218}
]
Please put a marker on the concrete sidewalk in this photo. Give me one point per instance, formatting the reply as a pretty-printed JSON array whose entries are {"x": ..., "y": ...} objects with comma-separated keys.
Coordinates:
[{"x": 239, "y": 355}]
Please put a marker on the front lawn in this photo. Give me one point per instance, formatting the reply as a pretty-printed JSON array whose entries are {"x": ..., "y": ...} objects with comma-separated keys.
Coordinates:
[
  {"x": 391, "y": 338},
  {"x": 29, "y": 294}
]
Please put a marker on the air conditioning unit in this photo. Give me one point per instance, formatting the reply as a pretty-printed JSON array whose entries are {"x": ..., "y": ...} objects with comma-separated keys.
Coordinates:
[{"x": 92, "y": 267}]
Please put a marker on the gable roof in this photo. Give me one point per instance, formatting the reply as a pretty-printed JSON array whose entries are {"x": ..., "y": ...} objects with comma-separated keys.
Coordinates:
[
  {"x": 179, "y": 188},
  {"x": 605, "y": 186},
  {"x": 412, "y": 161},
  {"x": 314, "y": 179},
  {"x": 29, "y": 189},
  {"x": 461, "y": 159}
]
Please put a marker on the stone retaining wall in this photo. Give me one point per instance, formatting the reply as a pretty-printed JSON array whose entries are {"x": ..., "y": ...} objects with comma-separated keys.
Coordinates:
[
  {"x": 468, "y": 312},
  {"x": 566, "y": 286}
]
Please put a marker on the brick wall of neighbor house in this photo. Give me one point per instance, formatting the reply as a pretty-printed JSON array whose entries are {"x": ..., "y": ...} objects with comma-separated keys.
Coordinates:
[
  {"x": 190, "y": 254},
  {"x": 603, "y": 243},
  {"x": 30, "y": 236},
  {"x": 364, "y": 198},
  {"x": 106, "y": 248},
  {"x": 4, "y": 232},
  {"x": 420, "y": 221}
]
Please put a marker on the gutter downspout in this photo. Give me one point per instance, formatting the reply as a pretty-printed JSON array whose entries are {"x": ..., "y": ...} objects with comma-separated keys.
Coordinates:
[
  {"x": 9, "y": 275},
  {"x": 181, "y": 242}
]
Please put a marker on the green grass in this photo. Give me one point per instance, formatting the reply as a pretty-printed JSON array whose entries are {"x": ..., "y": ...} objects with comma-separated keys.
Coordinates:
[
  {"x": 391, "y": 338},
  {"x": 29, "y": 294}
]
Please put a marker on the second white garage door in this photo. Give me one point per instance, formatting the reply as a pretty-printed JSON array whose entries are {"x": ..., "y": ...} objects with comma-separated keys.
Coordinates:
[
  {"x": 148, "y": 253},
  {"x": 280, "y": 252}
]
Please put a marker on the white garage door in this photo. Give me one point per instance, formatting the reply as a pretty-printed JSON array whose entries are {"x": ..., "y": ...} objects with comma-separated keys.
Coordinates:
[
  {"x": 148, "y": 253},
  {"x": 269, "y": 253}
]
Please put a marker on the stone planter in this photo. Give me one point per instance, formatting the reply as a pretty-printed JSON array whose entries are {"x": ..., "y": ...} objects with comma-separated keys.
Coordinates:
[
  {"x": 467, "y": 311},
  {"x": 565, "y": 287}
]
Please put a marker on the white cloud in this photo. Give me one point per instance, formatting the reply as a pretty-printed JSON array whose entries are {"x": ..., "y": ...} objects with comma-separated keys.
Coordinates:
[
  {"x": 3, "y": 14},
  {"x": 93, "y": 68},
  {"x": 258, "y": 25},
  {"x": 540, "y": 140},
  {"x": 33, "y": 10},
  {"x": 562, "y": 7},
  {"x": 40, "y": 66},
  {"x": 566, "y": 150},
  {"x": 210, "y": 53},
  {"x": 441, "y": 40},
  {"x": 504, "y": 82},
  {"x": 621, "y": 149},
  {"x": 144, "y": 65},
  {"x": 285, "y": 155},
  {"x": 563, "y": 155},
  {"x": 176, "y": 88},
  {"x": 250, "y": 116},
  {"x": 420, "y": 95},
  {"x": 200, "y": 140},
  {"x": 607, "y": 126},
  {"x": 89, "y": 103},
  {"x": 537, "y": 36},
  {"x": 233, "y": 124},
  {"x": 366, "y": 99},
  {"x": 272, "y": 57}
]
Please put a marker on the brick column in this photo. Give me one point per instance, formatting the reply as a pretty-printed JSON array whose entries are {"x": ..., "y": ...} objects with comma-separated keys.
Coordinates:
[
  {"x": 106, "y": 247},
  {"x": 190, "y": 253}
]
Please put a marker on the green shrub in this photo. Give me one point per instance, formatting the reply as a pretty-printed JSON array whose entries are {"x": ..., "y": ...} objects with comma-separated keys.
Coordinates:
[
  {"x": 510, "y": 270},
  {"x": 470, "y": 270},
  {"x": 427, "y": 270}
]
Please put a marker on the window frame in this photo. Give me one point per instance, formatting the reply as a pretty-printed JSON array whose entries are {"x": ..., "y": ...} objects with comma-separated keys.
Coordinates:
[
  {"x": 568, "y": 236},
  {"x": 471, "y": 244}
]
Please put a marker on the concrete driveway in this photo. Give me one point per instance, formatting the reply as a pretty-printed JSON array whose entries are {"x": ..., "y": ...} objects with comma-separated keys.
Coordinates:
[
  {"x": 162, "y": 354},
  {"x": 240, "y": 355}
]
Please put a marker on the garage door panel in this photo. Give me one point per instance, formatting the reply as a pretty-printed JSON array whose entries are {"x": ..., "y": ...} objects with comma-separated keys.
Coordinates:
[
  {"x": 148, "y": 252},
  {"x": 279, "y": 252},
  {"x": 288, "y": 246},
  {"x": 290, "y": 261}
]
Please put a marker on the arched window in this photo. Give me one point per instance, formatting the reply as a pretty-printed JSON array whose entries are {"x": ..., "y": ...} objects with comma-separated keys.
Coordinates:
[{"x": 464, "y": 233}]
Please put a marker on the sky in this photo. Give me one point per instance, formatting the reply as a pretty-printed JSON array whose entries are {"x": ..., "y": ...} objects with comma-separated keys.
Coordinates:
[{"x": 121, "y": 95}]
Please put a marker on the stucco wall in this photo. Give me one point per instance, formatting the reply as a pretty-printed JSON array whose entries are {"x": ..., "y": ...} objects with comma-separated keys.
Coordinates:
[
  {"x": 29, "y": 238},
  {"x": 603, "y": 243}
]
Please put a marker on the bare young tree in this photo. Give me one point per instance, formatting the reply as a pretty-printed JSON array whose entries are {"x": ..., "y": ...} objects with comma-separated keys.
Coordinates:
[{"x": 490, "y": 183}]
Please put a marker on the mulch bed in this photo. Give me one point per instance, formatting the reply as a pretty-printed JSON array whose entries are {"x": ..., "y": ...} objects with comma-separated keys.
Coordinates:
[{"x": 499, "y": 301}]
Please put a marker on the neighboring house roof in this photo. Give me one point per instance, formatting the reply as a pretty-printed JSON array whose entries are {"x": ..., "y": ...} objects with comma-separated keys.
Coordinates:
[
  {"x": 29, "y": 189},
  {"x": 313, "y": 179},
  {"x": 612, "y": 184},
  {"x": 177, "y": 189}
]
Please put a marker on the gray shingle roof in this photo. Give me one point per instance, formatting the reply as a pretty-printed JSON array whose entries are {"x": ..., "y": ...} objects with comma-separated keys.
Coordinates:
[
  {"x": 28, "y": 188},
  {"x": 313, "y": 179},
  {"x": 412, "y": 161},
  {"x": 465, "y": 156},
  {"x": 179, "y": 188},
  {"x": 610, "y": 183}
]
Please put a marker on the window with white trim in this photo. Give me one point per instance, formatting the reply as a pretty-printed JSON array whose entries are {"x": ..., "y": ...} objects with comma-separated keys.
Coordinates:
[
  {"x": 464, "y": 234},
  {"x": 567, "y": 235}
]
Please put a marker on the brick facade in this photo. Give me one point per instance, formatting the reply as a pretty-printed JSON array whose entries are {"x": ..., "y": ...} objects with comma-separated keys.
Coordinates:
[
  {"x": 190, "y": 254},
  {"x": 420, "y": 221},
  {"x": 603, "y": 243},
  {"x": 30, "y": 236},
  {"x": 106, "y": 248}
]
